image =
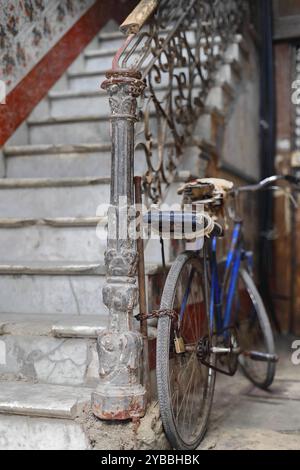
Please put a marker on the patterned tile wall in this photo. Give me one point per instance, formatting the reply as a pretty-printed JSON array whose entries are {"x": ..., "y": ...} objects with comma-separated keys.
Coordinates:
[{"x": 29, "y": 29}]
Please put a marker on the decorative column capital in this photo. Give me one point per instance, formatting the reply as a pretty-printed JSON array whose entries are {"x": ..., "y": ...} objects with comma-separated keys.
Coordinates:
[{"x": 124, "y": 87}]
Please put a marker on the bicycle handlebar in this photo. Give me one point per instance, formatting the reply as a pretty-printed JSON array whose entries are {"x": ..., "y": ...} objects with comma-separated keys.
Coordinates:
[{"x": 268, "y": 181}]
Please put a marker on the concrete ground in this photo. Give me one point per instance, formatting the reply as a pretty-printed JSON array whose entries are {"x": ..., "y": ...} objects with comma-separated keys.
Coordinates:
[{"x": 244, "y": 417}]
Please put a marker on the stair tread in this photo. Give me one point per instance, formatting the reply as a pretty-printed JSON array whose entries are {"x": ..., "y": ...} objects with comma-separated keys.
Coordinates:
[
  {"x": 106, "y": 36},
  {"x": 57, "y": 325},
  {"x": 52, "y": 267},
  {"x": 93, "y": 53},
  {"x": 11, "y": 222},
  {"x": 44, "y": 400},
  {"x": 91, "y": 73},
  {"x": 68, "y": 94},
  {"x": 66, "y": 119},
  {"x": 63, "y": 268},
  {"x": 24, "y": 150},
  {"x": 102, "y": 52},
  {"x": 8, "y": 183},
  {"x": 86, "y": 73},
  {"x": 61, "y": 94},
  {"x": 47, "y": 149}
]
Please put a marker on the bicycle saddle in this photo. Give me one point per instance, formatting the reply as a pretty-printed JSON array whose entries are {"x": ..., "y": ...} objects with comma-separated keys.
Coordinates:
[
  {"x": 220, "y": 184},
  {"x": 205, "y": 188}
]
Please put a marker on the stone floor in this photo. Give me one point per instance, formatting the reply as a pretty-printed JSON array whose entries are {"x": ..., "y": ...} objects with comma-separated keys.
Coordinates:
[{"x": 244, "y": 417}]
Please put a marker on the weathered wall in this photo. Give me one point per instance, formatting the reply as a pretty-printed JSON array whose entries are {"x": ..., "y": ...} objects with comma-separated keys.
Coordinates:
[
  {"x": 29, "y": 29},
  {"x": 38, "y": 42},
  {"x": 240, "y": 148},
  {"x": 239, "y": 158}
]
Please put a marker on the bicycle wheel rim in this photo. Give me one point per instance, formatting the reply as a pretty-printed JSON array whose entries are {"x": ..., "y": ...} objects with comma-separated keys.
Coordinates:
[
  {"x": 254, "y": 331},
  {"x": 185, "y": 386}
]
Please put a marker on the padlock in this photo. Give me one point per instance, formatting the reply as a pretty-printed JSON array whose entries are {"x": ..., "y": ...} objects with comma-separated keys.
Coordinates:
[{"x": 179, "y": 345}]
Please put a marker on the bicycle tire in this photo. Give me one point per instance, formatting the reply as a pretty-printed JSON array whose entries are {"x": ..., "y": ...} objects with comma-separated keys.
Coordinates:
[
  {"x": 266, "y": 330},
  {"x": 164, "y": 345}
]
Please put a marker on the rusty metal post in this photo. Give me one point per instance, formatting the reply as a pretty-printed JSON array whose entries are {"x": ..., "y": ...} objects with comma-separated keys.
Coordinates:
[
  {"x": 120, "y": 394},
  {"x": 142, "y": 289}
]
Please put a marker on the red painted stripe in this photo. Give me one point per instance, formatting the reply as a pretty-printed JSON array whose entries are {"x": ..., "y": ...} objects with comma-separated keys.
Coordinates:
[{"x": 32, "y": 89}]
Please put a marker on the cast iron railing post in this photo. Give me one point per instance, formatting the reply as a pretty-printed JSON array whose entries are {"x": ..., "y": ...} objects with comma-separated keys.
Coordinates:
[{"x": 120, "y": 394}]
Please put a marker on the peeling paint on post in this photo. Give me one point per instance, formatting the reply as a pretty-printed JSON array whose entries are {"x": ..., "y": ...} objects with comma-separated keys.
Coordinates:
[{"x": 120, "y": 394}]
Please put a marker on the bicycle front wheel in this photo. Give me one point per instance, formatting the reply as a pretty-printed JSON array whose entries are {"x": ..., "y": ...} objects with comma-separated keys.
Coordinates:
[
  {"x": 185, "y": 386},
  {"x": 254, "y": 332}
]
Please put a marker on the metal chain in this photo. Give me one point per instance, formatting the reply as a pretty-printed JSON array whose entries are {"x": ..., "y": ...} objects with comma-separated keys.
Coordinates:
[{"x": 163, "y": 312}]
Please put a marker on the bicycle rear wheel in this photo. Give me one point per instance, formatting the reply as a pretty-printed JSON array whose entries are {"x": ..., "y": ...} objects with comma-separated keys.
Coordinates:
[
  {"x": 185, "y": 386},
  {"x": 254, "y": 331}
]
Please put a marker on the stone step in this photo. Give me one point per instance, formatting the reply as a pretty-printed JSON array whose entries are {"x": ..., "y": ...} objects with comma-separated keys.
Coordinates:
[
  {"x": 108, "y": 45},
  {"x": 49, "y": 401},
  {"x": 73, "y": 288},
  {"x": 114, "y": 38},
  {"x": 56, "y": 161},
  {"x": 65, "y": 104},
  {"x": 50, "y": 197},
  {"x": 86, "y": 129},
  {"x": 85, "y": 160},
  {"x": 91, "y": 80},
  {"x": 54, "y": 268},
  {"x": 28, "y": 433},
  {"x": 46, "y": 240},
  {"x": 69, "y": 130},
  {"x": 54, "y": 288},
  {"x": 74, "y": 103},
  {"x": 101, "y": 58},
  {"x": 39, "y": 417},
  {"x": 86, "y": 81},
  {"x": 53, "y": 326},
  {"x": 59, "y": 240},
  {"x": 53, "y": 349},
  {"x": 80, "y": 98},
  {"x": 111, "y": 40}
]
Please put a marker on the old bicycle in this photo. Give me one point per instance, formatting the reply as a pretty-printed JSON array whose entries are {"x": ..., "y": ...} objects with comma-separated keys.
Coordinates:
[{"x": 212, "y": 317}]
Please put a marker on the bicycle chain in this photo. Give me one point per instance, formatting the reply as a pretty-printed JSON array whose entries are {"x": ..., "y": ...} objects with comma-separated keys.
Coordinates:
[{"x": 163, "y": 312}]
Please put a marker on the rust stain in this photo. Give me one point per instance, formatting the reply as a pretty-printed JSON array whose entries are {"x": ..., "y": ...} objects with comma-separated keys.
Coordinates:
[{"x": 134, "y": 412}]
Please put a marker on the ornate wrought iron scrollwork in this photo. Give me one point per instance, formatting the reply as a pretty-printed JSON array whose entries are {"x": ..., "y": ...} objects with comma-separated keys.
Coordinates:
[{"x": 178, "y": 54}]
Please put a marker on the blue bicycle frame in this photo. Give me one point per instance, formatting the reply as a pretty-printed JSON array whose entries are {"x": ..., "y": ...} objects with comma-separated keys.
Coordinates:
[{"x": 221, "y": 320}]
